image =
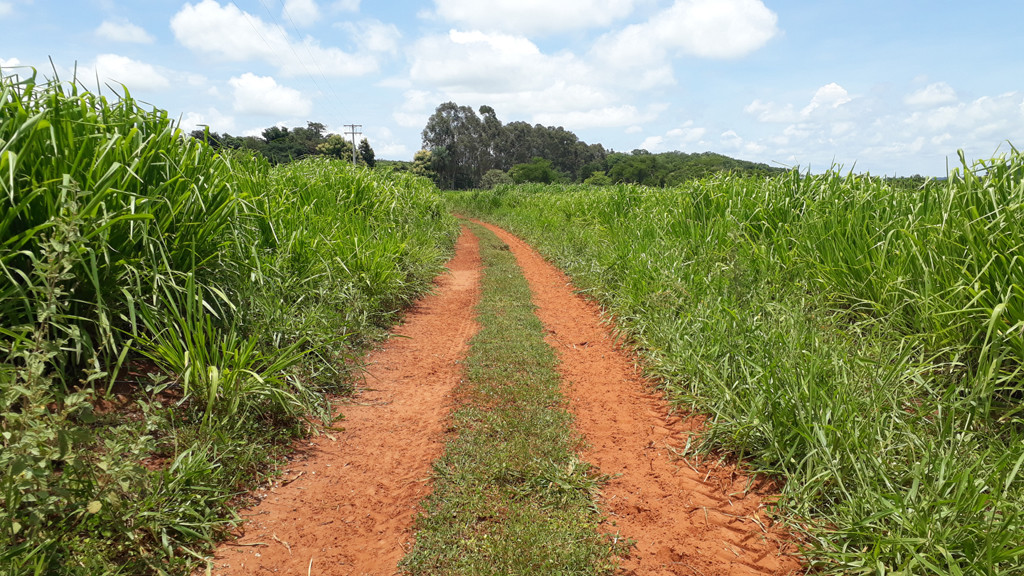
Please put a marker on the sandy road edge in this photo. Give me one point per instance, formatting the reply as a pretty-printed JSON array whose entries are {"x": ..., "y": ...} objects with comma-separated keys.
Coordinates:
[{"x": 348, "y": 508}]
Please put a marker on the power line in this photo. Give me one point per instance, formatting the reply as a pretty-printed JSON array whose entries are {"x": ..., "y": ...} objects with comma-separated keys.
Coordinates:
[
  {"x": 291, "y": 47},
  {"x": 253, "y": 26},
  {"x": 284, "y": 9},
  {"x": 301, "y": 62}
]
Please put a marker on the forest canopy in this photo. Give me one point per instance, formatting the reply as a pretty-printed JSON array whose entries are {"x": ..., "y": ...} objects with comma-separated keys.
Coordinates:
[
  {"x": 463, "y": 149},
  {"x": 279, "y": 144}
]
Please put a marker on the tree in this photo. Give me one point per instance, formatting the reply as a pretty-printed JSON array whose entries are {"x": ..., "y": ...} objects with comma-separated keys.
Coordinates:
[
  {"x": 495, "y": 177},
  {"x": 491, "y": 135},
  {"x": 366, "y": 153},
  {"x": 466, "y": 146},
  {"x": 335, "y": 146},
  {"x": 538, "y": 170},
  {"x": 422, "y": 163},
  {"x": 598, "y": 178},
  {"x": 457, "y": 130},
  {"x": 304, "y": 141}
]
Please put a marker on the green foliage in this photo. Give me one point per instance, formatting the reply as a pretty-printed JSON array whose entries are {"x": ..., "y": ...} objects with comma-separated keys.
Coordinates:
[
  {"x": 538, "y": 170},
  {"x": 422, "y": 163},
  {"x": 336, "y": 147},
  {"x": 242, "y": 290},
  {"x": 598, "y": 178},
  {"x": 366, "y": 153},
  {"x": 495, "y": 177},
  {"x": 676, "y": 168},
  {"x": 280, "y": 145},
  {"x": 466, "y": 147},
  {"x": 860, "y": 339}
]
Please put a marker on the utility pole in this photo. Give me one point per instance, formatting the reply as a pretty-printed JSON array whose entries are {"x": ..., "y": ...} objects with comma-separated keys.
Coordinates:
[{"x": 352, "y": 131}]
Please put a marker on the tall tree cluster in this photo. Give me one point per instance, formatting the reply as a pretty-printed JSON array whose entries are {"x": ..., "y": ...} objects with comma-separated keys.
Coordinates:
[
  {"x": 463, "y": 149},
  {"x": 464, "y": 146},
  {"x": 280, "y": 144}
]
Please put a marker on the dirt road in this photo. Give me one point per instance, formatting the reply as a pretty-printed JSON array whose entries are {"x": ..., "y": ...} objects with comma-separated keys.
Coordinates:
[
  {"x": 347, "y": 508},
  {"x": 685, "y": 519}
]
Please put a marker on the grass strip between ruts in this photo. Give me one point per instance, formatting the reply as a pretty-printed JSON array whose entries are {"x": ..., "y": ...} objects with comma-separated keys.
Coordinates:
[{"x": 510, "y": 494}]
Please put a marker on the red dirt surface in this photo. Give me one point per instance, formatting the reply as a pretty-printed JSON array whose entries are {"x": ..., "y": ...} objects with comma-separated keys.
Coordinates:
[
  {"x": 685, "y": 518},
  {"x": 348, "y": 508}
]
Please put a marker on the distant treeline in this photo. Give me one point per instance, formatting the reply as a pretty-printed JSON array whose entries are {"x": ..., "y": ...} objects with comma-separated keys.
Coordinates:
[
  {"x": 279, "y": 144},
  {"x": 463, "y": 150}
]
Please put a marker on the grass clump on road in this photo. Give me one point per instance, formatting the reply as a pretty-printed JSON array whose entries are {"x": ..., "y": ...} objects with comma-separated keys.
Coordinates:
[{"x": 510, "y": 496}]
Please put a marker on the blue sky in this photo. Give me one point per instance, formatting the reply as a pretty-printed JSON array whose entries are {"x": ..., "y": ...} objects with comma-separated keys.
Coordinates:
[{"x": 890, "y": 87}]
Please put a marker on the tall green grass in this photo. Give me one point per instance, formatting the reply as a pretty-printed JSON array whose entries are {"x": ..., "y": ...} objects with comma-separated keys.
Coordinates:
[
  {"x": 170, "y": 318},
  {"x": 861, "y": 340}
]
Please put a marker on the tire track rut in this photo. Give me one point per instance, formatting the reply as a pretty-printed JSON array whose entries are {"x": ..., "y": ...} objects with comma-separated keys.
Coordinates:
[
  {"x": 686, "y": 519},
  {"x": 347, "y": 508}
]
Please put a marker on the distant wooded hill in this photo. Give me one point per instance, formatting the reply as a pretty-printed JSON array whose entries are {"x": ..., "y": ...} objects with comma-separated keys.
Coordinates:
[
  {"x": 671, "y": 168},
  {"x": 464, "y": 150}
]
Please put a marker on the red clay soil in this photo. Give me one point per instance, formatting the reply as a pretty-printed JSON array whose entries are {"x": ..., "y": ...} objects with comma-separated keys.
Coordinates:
[
  {"x": 348, "y": 508},
  {"x": 685, "y": 518}
]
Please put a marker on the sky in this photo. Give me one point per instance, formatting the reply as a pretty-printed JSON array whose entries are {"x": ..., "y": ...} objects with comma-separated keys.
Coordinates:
[{"x": 891, "y": 87}]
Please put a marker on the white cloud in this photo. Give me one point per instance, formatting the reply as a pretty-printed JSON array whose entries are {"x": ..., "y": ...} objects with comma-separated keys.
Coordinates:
[
  {"x": 417, "y": 108},
  {"x": 215, "y": 119},
  {"x": 9, "y": 62},
  {"x": 829, "y": 96},
  {"x": 771, "y": 112},
  {"x": 529, "y": 17},
  {"x": 917, "y": 130},
  {"x": 385, "y": 146},
  {"x": 6, "y": 8},
  {"x": 262, "y": 95},
  {"x": 514, "y": 76},
  {"x": 932, "y": 95},
  {"x": 989, "y": 116},
  {"x": 683, "y": 138},
  {"x": 230, "y": 34},
  {"x": 124, "y": 31},
  {"x": 374, "y": 36},
  {"x": 346, "y": 5},
  {"x": 730, "y": 140},
  {"x": 687, "y": 133},
  {"x": 653, "y": 144},
  {"x": 475, "y": 61},
  {"x": 134, "y": 74},
  {"x": 704, "y": 28},
  {"x": 606, "y": 117},
  {"x": 301, "y": 12}
]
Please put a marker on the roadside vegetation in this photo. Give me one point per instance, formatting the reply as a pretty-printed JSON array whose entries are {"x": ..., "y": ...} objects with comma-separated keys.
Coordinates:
[
  {"x": 172, "y": 317},
  {"x": 860, "y": 338},
  {"x": 510, "y": 494}
]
